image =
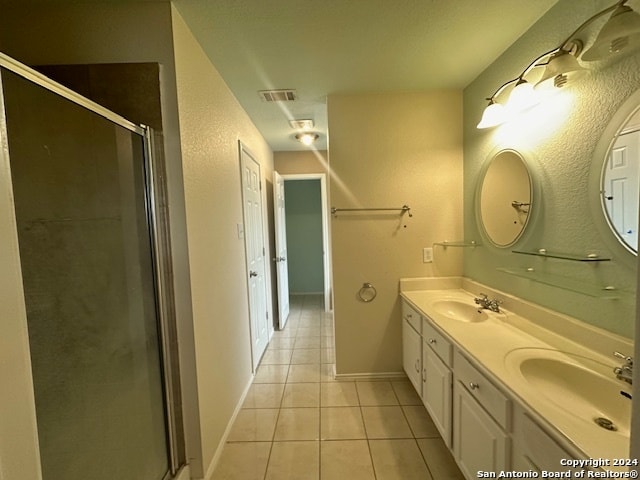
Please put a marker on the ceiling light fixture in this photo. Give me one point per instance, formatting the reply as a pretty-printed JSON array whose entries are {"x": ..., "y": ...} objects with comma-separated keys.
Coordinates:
[
  {"x": 620, "y": 33},
  {"x": 307, "y": 138},
  {"x": 306, "y": 124}
]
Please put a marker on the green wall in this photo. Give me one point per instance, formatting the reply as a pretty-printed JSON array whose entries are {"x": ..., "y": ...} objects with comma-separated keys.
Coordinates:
[
  {"x": 560, "y": 140},
  {"x": 304, "y": 235}
]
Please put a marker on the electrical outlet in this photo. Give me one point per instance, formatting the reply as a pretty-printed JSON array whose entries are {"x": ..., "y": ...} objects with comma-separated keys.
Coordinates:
[{"x": 427, "y": 255}]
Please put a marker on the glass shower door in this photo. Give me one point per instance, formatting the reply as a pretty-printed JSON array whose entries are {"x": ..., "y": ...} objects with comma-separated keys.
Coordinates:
[{"x": 79, "y": 186}]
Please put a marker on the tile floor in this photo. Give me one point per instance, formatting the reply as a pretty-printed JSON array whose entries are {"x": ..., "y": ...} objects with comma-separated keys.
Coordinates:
[{"x": 298, "y": 423}]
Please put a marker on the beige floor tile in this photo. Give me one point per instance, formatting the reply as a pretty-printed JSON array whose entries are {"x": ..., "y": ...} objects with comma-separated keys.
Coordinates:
[
  {"x": 327, "y": 372},
  {"x": 327, "y": 331},
  {"x": 327, "y": 355},
  {"x": 293, "y": 323},
  {"x": 243, "y": 461},
  {"x": 338, "y": 394},
  {"x": 420, "y": 421},
  {"x": 253, "y": 425},
  {"x": 405, "y": 392},
  {"x": 398, "y": 460},
  {"x": 304, "y": 373},
  {"x": 277, "y": 357},
  {"x": 298, "y": 395},
  {"x": 282, "y": 343},
  {"x": 341, "y": 423},
  {"x": 294, "y": 461},
  {"x": 309, "y": 321},
  {"x": 439, "y": 459},
  {"x": 327, "y": 341},
  {"x": 307, "y": 342},
  {"x": 376, "y": 393},
  {"x": 385, "y": 422},
  {"x": 264, "y": 395},
  {"x": 305, "y": 355},
  {"x": 271, "y": 374},
  {"x": 309, "y": 331},
  {"x": 298, "y": 424},
  {"x": 346, "y": 459},
  {"x": 289, "y": 331}
]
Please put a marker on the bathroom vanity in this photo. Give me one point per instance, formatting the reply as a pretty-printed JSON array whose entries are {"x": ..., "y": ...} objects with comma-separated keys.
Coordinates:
[{"x": 522, "y": 389}]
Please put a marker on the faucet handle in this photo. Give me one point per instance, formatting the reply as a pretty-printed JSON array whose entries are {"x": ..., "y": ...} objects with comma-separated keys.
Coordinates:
[{"x": 622, "y": 356}]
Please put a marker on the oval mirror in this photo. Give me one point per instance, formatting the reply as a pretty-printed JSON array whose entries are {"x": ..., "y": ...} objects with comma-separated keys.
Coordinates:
[
  {"x": 505, "y": 198},
  {"x": 619, "y": 182}
]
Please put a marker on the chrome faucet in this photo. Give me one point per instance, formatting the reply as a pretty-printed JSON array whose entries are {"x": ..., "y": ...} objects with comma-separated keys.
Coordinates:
[
  {"x": 625, "y": 372},
  {"x": 487, "y": 304}
]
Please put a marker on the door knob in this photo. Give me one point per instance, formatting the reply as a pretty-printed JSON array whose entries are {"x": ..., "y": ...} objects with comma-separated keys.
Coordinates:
[{"x": 252, "y": 274}]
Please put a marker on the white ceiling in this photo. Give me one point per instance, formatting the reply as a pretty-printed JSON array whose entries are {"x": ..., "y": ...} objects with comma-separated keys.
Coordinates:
[{"x": 349, "y": 46}]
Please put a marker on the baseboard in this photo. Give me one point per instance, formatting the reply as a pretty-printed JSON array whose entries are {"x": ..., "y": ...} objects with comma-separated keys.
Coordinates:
[
  {"x": 370, "y": 376},
  {"x": 227, "y": 431},
  {"x": 183, "y": 474}
]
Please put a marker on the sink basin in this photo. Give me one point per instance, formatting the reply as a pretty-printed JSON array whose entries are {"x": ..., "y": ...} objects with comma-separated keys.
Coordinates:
[
  {"x": 457, "y": 310},
  {"x": 578, "y": 385}
]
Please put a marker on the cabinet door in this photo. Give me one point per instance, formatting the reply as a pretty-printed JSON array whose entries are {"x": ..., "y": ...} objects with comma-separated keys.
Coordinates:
[
  {"x": 412, "y": 355},
  {"x": 436, "y": 391},
  {"x": 533, "y": 448},
  {"x": 479, "y": 444}
]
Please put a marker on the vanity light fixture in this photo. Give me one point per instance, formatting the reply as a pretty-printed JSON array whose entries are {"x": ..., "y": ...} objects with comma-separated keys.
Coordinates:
[
  {"x": 562, "y": 67},
  {"x": 523, "y": 97},
  {"x": 493, "y": 115},
  {"x": 307, "y": 138},
  {"x": 620, "y": 33}
]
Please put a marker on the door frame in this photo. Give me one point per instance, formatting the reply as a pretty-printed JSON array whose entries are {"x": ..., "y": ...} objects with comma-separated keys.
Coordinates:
[{"x": 326, "y": 245}]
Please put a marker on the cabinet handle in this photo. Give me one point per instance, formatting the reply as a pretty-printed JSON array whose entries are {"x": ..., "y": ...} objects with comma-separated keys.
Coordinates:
[
  {"x": 473, "y": 386},
  {"x": 409, "y": 315},
  {"x": 417, "y": 365},
  {"x": 432, "y": 341},
  {"x": 424, "y": 374}
]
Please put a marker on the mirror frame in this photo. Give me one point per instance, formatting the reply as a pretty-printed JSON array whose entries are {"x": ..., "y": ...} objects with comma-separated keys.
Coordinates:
[
  {"x": 598, "y": 165},
  {"x": 533, "y": 200}
]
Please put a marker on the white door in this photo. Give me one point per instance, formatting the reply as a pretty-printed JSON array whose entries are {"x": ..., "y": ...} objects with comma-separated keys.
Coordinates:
[
  {"x": 255, "y": 251},
  {"x": 621, "y": 186},
  {"x": 281, "y": 250}
]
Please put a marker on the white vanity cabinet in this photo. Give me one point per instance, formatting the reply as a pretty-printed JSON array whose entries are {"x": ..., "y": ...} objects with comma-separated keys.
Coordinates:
[
  {"x": 412, "y": 346},
  {"x": 533, "y": 448},
  {"x": 437, "y": 379},
  {"x": 489, "y": 423},
  {"x": 481, "y": 414}
]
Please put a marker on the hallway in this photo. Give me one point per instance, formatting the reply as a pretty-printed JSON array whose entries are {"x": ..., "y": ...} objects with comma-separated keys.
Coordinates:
[{"x": 298, "y": 423}]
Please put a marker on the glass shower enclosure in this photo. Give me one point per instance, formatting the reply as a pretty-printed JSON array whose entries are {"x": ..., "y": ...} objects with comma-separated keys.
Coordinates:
[{"x": 82, "y": 189}]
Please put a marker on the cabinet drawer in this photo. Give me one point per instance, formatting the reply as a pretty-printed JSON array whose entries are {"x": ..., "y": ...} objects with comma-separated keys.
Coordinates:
[
  {"x": 412, "y": 316},
  {"x": 487, "y": 394},
  {"x": 437, "y": 342}
]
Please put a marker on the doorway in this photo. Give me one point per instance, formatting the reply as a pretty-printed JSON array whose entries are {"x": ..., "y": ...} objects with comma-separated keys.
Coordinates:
[{"x": 307, "y": 227}]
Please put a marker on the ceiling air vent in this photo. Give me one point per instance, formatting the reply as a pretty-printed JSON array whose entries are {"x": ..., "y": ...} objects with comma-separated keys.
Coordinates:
[{"x": 286, "y": 95}]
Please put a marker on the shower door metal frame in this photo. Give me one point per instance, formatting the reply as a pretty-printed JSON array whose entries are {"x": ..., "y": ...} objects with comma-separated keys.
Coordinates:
[{"x": 160, "y": 250}]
